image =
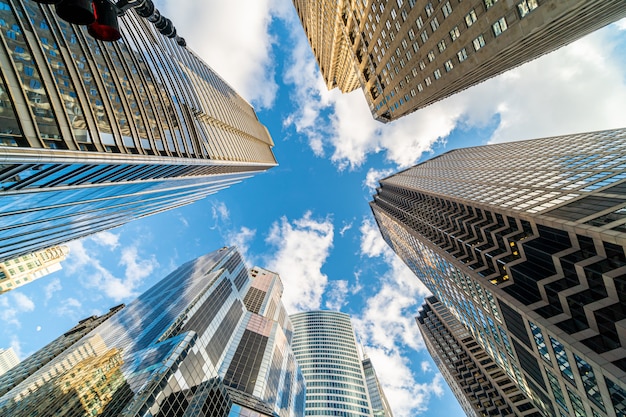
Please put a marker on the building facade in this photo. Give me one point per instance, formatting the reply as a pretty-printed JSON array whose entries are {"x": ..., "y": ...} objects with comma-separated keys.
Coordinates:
[
  {"x": 8, "y": 359},
  {"x": 378, "y": 399},
  {"x": 481, "y": 386},
  {"x": 325, "y": 346},
  {"x": 407, "y": 54},
  {"x": 93, "y": 135},
  {"x": 523, "y": 242},
  {"x": 19, "y": 271},
  {"x": 187, "y": 346}
]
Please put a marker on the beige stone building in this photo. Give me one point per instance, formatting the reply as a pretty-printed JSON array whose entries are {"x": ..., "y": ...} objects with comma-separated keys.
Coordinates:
[
  {"x": 24, "y": 269},
  {"x": 407, "y": 54}
]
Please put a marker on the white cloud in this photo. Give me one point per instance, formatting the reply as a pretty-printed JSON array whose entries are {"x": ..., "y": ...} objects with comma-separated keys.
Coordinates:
[
  {"x": 425, "y": 365},
  {"x": 302, "y": 247},
  {"x": 107, "y": 239},
  {"x": 81, "y": 262},
  {"x": 22, "y": 302},
  {"x": 336, "y": 294},
  {"x": 406, "y": 396},
  {"x": 12, "y": 305},
  {"x": 51, "y": 288},
  {"x": 374, "y": 175},
  {"x": 69, "y": 307},
  {"x": 16, "y": 345},
  {"x": 219, "y": 212},
  {"x": 569, "y": 81},
  {"x": 387, "y": 328},
  {"x": 243, "y": 57},
  {"x": 346, "y": 226},
  {"x": 242, "y": 239}
]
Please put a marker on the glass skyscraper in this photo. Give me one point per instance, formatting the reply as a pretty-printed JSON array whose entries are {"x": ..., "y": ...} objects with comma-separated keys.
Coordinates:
[
  {"x": 326, "y": 349},
  {"x": 378, "y": 399},
  {"x": 93, "y": 135},
  {"x": 523, "y": 242},
  {"x": 187, "y": 346},
  {"x": 408, "y": 54}
]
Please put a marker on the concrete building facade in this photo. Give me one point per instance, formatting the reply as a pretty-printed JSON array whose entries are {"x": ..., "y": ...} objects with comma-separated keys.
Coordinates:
[{"x": 407, "y": 54}]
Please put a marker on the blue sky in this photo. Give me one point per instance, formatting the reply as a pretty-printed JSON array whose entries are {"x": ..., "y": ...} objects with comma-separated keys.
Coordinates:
[{"x": 308, "y": 219}]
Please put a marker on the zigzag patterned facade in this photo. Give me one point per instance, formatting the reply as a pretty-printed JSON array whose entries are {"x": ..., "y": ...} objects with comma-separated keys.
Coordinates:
[{"x": 524, "y": 243}]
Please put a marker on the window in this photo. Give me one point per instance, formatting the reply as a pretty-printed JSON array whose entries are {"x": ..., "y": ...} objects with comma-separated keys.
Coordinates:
[
  {"x": 393, "y": 13},
  {"x": 437, "y": 74},
  {"x": 589, "y": 382},
  {"x": 446, "y": 9},
  {"x": 434, "y": 24},
  {"x": 419, "y": 22},
  {"x": 490, "y": 3},
  {"x": 448, "y": 65},
  {"x": 422, "y": 65},
  {"x": 414, "y": 72},
  {"x": 455, "y": 33},
  {"x": 415, "y": 46},
  {"x": 424, "y": 36},
  {"x": 411, "y": 34},
  {"x": 431, "y": 56},
  {"x": 429, "y": 9},
  {"x": 428, "y": 81},
  {"x": 526, "y": 7},
  {"x": 441, "y": 45},
  {"x": 479, "y": 42},
  {"x": 388, "y": 25},
  {"x": 471, "y": 18},
  {"x": 499, "y": 27},
  {"x": 561, "y": 359},
  {"x": 420, "y": 88}
]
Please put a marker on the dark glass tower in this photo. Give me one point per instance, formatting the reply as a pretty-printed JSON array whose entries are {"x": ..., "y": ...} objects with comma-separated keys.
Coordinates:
[
  {"x": 408, "y": 54},
  {"x": 523, "y": 243},
  {"x": 187, "y": 346},
  {"x": 93, "y": 135}
]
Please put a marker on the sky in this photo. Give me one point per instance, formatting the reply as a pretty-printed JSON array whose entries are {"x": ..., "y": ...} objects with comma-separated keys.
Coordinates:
[{"x": 308, "y": 218}]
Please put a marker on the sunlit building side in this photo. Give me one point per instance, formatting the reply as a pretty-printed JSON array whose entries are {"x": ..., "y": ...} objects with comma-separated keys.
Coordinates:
[
  {"x": 93, "y": 135},
  {"x": 19, "y": 271},
  {"x": 523, "y": 242}
]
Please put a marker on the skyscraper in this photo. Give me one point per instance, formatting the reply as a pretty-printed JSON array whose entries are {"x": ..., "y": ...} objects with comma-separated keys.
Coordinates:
[
  {"x": 378, "y": 399},
  {"x": 93, "y": 135},
  {"x": 27, "y": 268},
  {"x": 523, "y": 243},
  {"x": 480, "y": 385},
  {"x": 325, "y": 347},
  {"x": 407, "y": 54},
  {"x": 8, "y": 359},
  {"x": 187, "y": 345}
]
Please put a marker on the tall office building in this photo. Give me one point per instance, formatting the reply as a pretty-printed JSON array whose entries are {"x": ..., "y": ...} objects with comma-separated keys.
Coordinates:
[
  {"x": 325, "y": 347},
  {"x": 27, "y": 268},
  {"x": 8, "y": 360},
  {"x": 407, "y": 54},
  {"x": 378, "y": 399},
  {"x": 480, "y": 385},
  {"x": 523, "y": 243},
  {"x": 93, "y": 135},
  {"x": 187, "y": 346}
]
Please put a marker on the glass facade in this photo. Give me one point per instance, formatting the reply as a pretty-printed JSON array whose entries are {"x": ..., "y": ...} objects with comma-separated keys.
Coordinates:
[
  {"x": 160, "y": 355},
  {"x": 527, "y": 253},
  {"x": 325, "y": 346},
  {"x": 380, "y": 405},
  {"x": 93, "y": 135},
  {"x": 377, "y": 45}
]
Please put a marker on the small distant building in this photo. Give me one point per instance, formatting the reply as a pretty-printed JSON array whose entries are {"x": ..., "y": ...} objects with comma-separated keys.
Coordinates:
[
  {"x": 8, "y": 359},
  {"x": 24, "y": 269}
]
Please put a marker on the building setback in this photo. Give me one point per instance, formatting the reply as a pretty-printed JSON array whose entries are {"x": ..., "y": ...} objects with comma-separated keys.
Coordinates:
[
  {"x": 186, "y": 346},
  {"x": 523, "y": 243},
  {"x": 93, "y": 135},
  {"x": 325, "y": 346},
  {"x": 407, "y": 54},
  {"x": 481, "y": 386}
]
